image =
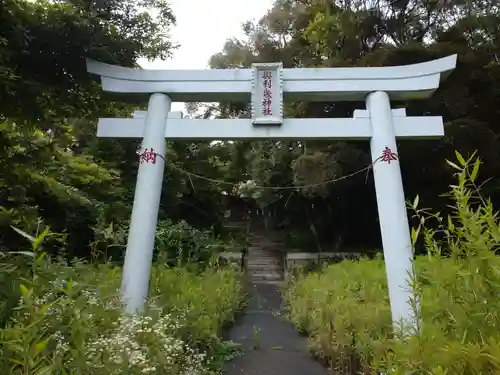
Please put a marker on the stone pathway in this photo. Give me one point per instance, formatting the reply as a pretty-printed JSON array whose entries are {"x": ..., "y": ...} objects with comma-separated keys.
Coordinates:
[
  {"x": 264, "y": 261},
  {"x": 270, "y": 344}
]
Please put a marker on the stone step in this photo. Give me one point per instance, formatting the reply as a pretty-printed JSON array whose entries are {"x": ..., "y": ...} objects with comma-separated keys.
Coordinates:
[
  {"x": 264, "y": 236},
  {"x": 263, "y": 256},
  {"x": 272, "y": 249},
  {"x": 263, "y": 260},
  {"x": 257, "y": 262},
  {"x": 266, "y": 274},
  {"x": 250, "y": 260},
  {"x": 266, "y": 277},
  {"x": 260, "y": 250},
  {"x": 266, "y": 268},
  {"x": 259, "y": 272},
  {"x": 269, "y": 282},
  {"x": 235, "y": 226},
  {"x": 264, "y": 252},
  {"x": 266, "y": 233},
  {"x": 253, "y": 237},
  {"x": 271, "y": 274},
  {"x": 265, "y": 242}
]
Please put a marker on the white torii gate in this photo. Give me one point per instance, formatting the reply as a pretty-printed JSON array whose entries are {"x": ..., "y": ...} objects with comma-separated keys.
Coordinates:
[{"x": 266, "y": 85}]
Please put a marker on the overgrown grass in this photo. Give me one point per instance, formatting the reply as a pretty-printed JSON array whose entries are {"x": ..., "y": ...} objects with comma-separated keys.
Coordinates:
[
  {"x": 345, "y": 307},
  {"x": 68, "y": 319}
]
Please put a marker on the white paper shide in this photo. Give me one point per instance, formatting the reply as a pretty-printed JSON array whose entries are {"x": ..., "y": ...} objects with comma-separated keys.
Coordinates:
[{"x": 267, "y": 94}]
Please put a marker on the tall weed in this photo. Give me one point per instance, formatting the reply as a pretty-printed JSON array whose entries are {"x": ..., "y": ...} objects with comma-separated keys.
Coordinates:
[
  {"x": 207, "y": 300},
  {"x": 69, "y": 320},
  {"x": 345, "y": 307}
]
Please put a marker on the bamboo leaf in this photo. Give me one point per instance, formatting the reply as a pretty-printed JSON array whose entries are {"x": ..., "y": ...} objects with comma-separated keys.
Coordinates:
[
  {"x": 415, "y": 202},
  {"x": 39, "y": 239},
  {"x": 40, "y": 347},
  {"x": 24, "y": 234},
  {"x": 16, "y": 361},
  {"x": 451, "y": 226},
  {"x": 27, "y": 253},
  {"x": 453, "y": 165},
  {"x": 414, "y": 235},
  {"x": 460, "y": 159},
  {"x": 44, "y": 371},
  {"x": 475, "y": 170},
  {"x": 24, "y": 291}
]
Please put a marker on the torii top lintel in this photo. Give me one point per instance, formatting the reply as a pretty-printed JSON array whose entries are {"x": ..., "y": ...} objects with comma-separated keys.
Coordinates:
[{"x": 417, "y": 81}]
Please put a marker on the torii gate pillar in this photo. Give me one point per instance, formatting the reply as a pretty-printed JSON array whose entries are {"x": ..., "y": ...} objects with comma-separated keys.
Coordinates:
[
  {"x": 393, "y": 219},
  {"x": 141, "y": 237}
]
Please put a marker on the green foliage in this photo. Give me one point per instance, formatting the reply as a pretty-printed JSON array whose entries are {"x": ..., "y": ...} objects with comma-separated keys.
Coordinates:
[
  {"x": 53, "y": 168},
  {"x": 207, "y": 299},
  {"x": 225, "y": 351},
  {"x": 345, "y": 308},
  {"x": 58, "y": 36},
  {"x": 367, "y": 34},
  {"x": 179, "y": 243},
  {"x": 13, "y": 267},
  {"x": 68, "y": 319},
  {"x": 57, "y": 95},
  {"x": 41, "y": 177}
]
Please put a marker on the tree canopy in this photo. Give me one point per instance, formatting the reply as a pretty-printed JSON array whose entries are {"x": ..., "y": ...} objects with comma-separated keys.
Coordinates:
[
  {"x": 361, "y": 33},
  {"x": 55, "y": 172}
]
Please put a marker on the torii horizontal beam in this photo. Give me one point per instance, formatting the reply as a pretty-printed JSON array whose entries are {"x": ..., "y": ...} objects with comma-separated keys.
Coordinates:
[
  {"x": 416, "y": 81},
  {"x": 357, "y": 128}
]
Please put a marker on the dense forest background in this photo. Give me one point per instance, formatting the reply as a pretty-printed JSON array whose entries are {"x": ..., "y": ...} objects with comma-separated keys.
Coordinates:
[{"x": 55, "y": 173}]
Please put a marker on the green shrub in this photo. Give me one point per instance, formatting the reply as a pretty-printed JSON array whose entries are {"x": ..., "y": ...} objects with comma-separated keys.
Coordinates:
[
  {"x": 69, "y": 320},
  {"x": 345, "y": 308},
  {"x": 179, "y": 243},
  {"x": 11, "y": 269},
  {"x": 208, "y": 300}
]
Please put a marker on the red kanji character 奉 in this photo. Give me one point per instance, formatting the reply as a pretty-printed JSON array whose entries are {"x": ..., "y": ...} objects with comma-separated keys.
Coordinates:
[
  {"x": 148, "y": 156},
  {"x": 388, "y": 155}
]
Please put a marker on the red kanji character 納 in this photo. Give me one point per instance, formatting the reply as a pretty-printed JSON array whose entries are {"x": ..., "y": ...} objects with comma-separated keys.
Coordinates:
[{"x": 148, "y": 156}]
